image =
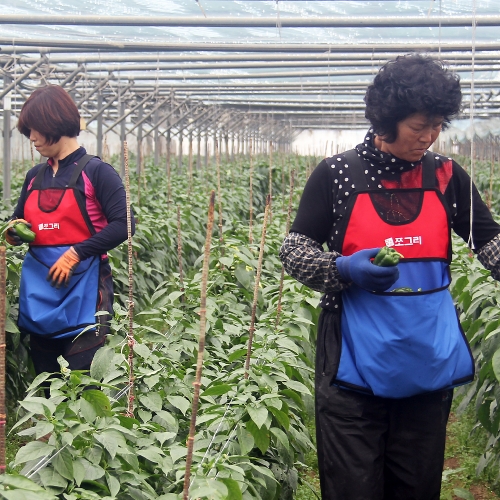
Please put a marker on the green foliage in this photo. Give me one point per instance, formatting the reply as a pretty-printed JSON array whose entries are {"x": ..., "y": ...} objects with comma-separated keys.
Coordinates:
[
  {"x": 250, "y": 433},
  {"x": 477, "y": 296}
]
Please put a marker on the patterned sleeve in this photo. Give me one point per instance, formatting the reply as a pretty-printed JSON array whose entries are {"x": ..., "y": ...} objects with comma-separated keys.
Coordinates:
[
  {"x": 304, "y": 259},
  {"x": 489, "y": 256}
]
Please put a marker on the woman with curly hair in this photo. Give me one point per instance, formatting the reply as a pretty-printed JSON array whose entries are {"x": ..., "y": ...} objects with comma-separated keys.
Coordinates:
[{"x": 390, "y": 348}]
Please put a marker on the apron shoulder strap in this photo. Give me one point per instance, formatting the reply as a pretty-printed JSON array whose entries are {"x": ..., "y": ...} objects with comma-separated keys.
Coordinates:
[
  {"x": 429, "y": 171},
  {"x": 37, "y": 183},
  {"x": 80, "y": 165},
  {"x": 356, "y": 166},
  {"x": 358, "y": 176}
]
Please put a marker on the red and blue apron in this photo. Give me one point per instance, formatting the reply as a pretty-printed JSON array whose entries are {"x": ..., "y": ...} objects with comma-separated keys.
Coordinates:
[
  {"x": 59, "y": 220},
  {"x": 399, "y": 344}
]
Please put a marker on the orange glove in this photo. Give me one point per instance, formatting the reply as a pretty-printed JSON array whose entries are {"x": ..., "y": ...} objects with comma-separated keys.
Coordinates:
[
  {"x": 10, "y": 233},
  {"x": 63, "y": 269}
]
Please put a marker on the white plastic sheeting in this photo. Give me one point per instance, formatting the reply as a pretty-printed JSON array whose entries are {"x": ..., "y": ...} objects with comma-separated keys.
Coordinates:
[{"x": 254, "y": 8}]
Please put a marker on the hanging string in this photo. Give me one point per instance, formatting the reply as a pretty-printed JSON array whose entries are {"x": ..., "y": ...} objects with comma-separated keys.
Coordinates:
[
  {"x": 471, "y": 115},
  {"x": 201, "y": 8},
  {"x": 329, "y": 89},
  {"x": 278, "y": 18},
  {"x": 157, "y": 74},
  {"x": 439, "y": 40}
]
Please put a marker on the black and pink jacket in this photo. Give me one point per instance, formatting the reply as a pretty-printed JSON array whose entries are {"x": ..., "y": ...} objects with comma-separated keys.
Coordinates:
[{"x": 104, "y": 195}]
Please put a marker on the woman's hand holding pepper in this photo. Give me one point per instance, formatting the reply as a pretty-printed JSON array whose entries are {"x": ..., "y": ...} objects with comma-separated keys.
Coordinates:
[
  {"x": 11, "y": 236},
  {"x": 359, "y": 269}
]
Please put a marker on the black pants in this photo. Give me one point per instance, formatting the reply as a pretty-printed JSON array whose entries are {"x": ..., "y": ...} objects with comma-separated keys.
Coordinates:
[
  {"x": 372, "y": 448},
  {"x": 44, "y": 354}
]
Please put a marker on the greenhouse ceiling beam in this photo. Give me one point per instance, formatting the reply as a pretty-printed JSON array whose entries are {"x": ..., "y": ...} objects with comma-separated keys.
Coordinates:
[
  {"x": 303, "y": 105},
  {"x": 110, "y": 102},
  {"x": 72, "y": 75},
  {"x": 97, "y": 88},
  {"x": 184, "y": 104},
  {"x": 282, "y": 74},
  {"x": 129, "y": 112},
  {"x": 43, "y": 45},
  {"x": 214, "y": 121},
  {"x": 253, "y": 22},
  {"x": 162, "y": 57},
  {"x": 18, "y": 80},
  {"x": 236, "y": 124},
  {"x": 196, "y": 119},
  {"x": 162, "y": 87},
  {"x": 150, "y": 113},
  {"x": 263, "y": 64},
  {"x": 206, "y": 123}
]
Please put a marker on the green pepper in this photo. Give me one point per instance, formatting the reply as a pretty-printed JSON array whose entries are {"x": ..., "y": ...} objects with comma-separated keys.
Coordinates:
[
  {"x": 386, "y": 257},
  {"x": 24, "y": 232}
]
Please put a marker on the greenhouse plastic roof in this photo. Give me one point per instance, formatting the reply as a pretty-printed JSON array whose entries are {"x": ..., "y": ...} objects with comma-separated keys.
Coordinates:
[
  {"x": 280, "y": 11},
  {"x": 296, "y": 59}
]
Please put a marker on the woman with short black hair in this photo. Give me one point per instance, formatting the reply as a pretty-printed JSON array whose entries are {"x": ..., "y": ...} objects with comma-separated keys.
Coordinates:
[
  {"x": 390, "y": 348},
  {"x": 76, "y": 206}
]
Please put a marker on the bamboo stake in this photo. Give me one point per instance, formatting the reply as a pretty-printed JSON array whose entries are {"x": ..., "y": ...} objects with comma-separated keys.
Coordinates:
[
  {"x": 250, "y": 232},
  {"x": 105, "y": 149},
  {"x": 251, "y": 330},
  {"x": 130, "y": 334},
  {"x": 201, "y": 347},
  {"x": 179, "y": 251},
  {"x": 270, "y": 190},
  {"x": 3, "y": 412},
  {"x": 282, "y": 278},
  {"x": 219, "y": 196}
]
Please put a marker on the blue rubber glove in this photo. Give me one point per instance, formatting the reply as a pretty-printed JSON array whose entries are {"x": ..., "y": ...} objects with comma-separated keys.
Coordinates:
[{"x": 359, "y": 269}]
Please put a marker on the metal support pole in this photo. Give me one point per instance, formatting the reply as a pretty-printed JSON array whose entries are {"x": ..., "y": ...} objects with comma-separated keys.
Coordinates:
[
  {"x": 190, "y": 148},
  {"x": 157, "y": 137},
  {"x": 206, "y": 148},
  {"x": 139, "y": 143},
  {"x": 123, "y": 137},
  {"x": 226, "y": 140},
  {"x": 169, "y": 146},
  {"x": 179, "y": 166},
  {"x": 99, "y": 126},
  {"x": 6, "y": 139},
  {"x": 198, "y": 151},
  {"x": 215, "y": 141}
]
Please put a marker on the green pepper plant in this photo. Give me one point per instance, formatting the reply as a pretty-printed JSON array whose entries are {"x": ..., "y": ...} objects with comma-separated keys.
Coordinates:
[{"x": 250, "y": 432}]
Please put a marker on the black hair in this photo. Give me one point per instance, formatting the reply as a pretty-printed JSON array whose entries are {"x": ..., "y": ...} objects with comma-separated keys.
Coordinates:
[
  {"x": 411, "y": 84},
  {"x": 51, "y": 112}
]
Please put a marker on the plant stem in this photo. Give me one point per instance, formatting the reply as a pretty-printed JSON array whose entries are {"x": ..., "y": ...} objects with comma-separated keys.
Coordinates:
[
  {"x": 251, "y": 330},
  {"x": 130, "y": 335},
  {"x": 3, "y": 415},
  {"x": 219, "y": 196},
  {"x": 201, "y": 347},
  {"x": 250, "y": 233},
  {"x": 179, "y": 251}
]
